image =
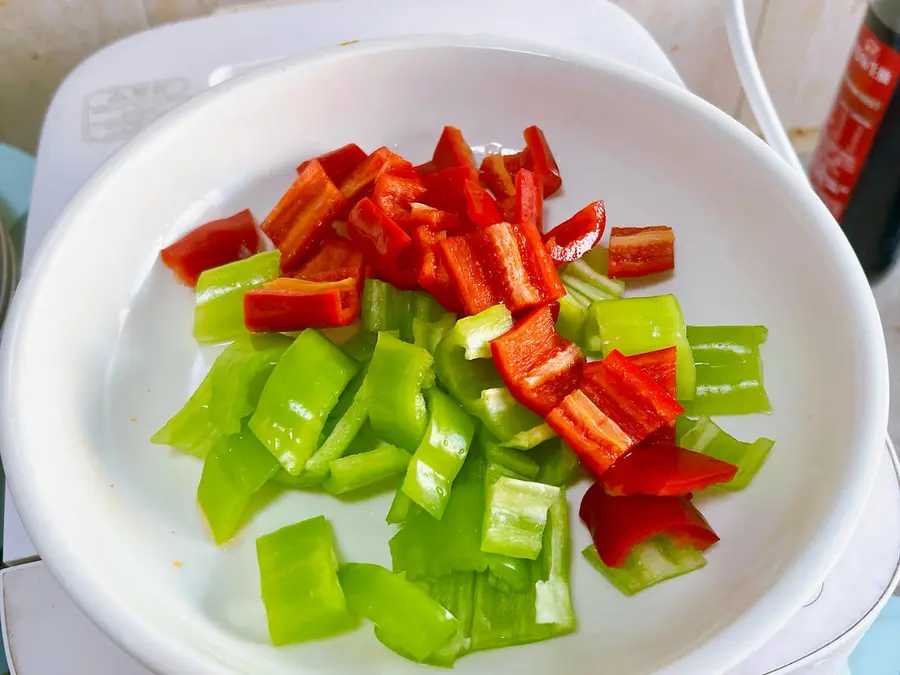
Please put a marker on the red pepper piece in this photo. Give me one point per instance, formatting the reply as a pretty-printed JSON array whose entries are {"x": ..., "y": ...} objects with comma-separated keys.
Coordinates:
[
  {"x": 616, "y": 406},
  {"x": 422, "y": 215},
  {"x": 360, "y": 182},
  {"x": 472, "y": 282},
  {"x": 570, "y": 240},
  {"x": 286, "y": 305},
  {"x": 446, "y": 188},
  {"x": 529, "y": 199},
  {"x": 432, "y": 272},
  {"x": 665, "y": 471},
  {"x": 539, "y": 367},
  {"x": 481, "y": 207},
  {"x": 452, "y": 150},
  {"x": 303, "y": 215},
  {"x": 501, "y": 263},
  {"x": 496, "y": 178},
  {"x": 660, "y": 366},
  {"x": 380, "y": 238},
  {"x": 639, "y": 251},
  {"x": 333, "y": 252},
  {"x": 395, "y": 195},
  {"x": 403, "y": 274},
  {"x": 618, "y": 524},
  {"x": 216, "y": 243},
  {"x": 541, "y": 160},
  {"x": 426, "y": 169},
  {"x": 516, "y": 162},
  {"x": 338, "y": 164}
]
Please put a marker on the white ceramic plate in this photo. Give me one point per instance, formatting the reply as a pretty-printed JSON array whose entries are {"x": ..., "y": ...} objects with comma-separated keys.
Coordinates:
[{"x": 98, "y": 354}]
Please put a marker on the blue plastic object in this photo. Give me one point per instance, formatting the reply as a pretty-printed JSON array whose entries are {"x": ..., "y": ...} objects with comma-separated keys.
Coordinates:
[
  {"x": 16, "y": 176},
  {"x": 878, "y": 653}
]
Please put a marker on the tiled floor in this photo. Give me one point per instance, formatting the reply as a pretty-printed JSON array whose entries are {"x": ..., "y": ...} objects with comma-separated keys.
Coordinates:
[{"x": 803, "y": 45}]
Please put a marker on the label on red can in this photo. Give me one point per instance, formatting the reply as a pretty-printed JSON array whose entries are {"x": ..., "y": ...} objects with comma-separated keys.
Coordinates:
[{"x": 863, "y": 97}]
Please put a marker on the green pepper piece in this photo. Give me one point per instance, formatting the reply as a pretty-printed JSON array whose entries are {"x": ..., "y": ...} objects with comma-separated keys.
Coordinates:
[
  {"x": 219, "y": 313},
  {"x": 572, "y": 317},
  {"x": 301, "y": 392},
  {"x": 428, "y": 334},
  {"x": 503, "y": 618},
  {"x": 705, "y": 436},
  {"x": 402, "y": 508},
  {"x": 398, "y": 608},
  {"x": 398, "y": 373},
  {"x": 580, "y": 277},
  {"x": 429, "y": 548},
  {"x": 553, "y": 596},
  {"x": 379, "y": 309},
  {"x": 191, "y": 429},
  {"x": 440, "y": 455},
  {"x": 233, "y": 472},
  {"x": 558, "y": 463},
  {"x": 516, "y": 516},
  {"x": 298, "y": 573},
  {"x": 480, "y": 391},
  {"x": 366, "y": 468},
  {"x": 241, "y": 372},
  {"x": 649, "y": 563},
  {"x": 516, "y": 460},
  {"x": 361, "y": 346},
  {"x": 638, "y": 325},
  {"x": 474, "y": 333},
  {"x": 729, "y": 370}
]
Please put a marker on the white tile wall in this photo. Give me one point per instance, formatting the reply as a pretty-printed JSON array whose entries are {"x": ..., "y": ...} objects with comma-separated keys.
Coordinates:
[{"x": 802, "y": 44}]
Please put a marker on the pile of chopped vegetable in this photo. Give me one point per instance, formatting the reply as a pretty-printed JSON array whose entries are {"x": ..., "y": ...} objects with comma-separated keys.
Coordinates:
[{"x": 492, "y": 367}]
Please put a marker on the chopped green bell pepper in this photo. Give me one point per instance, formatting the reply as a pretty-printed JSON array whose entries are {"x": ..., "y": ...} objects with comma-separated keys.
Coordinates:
[
  {"x": 361, "y": 346},
  {"x": 398, "y": 373},
  {"x": 503, "y": 618},
  {"x": 572, "y": 316},
  {"x": 219, "y": 313},
  {"x": 191, "y": 429},
  {"x": 649, "y": 563},
  {"x": 380, "y": 309},
  {"x": 706, "y": 437},
  {"x": 474, "y": 333},
  {"x": 477, "y": 386},
  {"x": 298, "y": 573},
  {"x": 233, "y": 472},
  {"x": 240, "y": 373},
  {"x": 638, "y": 325},
  {"x": 515, "y": 517},
  {"x": 300, "y": 394},
  {"x": 440, "y": 455},
  {"x": 553, "y": 596},
  {"x": 402, "y": 508},
  {"x": 516, "y": 460},
  {"x": 428, "y": 334},
  {"x": 558, "y": 463},
  {"x": 401, "y": 611},
  {"x": 580, "y": 277},
  {"x": 429, "y": 548},
  {"x": 729, "y": 370},
  {"x": 366, "y": 468}
]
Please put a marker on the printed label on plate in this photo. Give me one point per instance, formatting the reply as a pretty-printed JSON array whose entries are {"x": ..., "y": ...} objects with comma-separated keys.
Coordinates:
[
  {"x": 864, "y": 94},
  {"x": 118, "y": 113}
]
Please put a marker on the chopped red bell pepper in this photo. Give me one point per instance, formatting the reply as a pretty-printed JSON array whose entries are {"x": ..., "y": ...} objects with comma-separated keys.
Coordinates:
[
  {"x": 496, "y": 178},
  {"x": 539, "y": 367},
  {"x": 501, "y": 263},
  {"x": 616, "y": 406},
  {"x": 618, "y": 524},
  {"x": 481, "y": 207},
  {"x": 333, "y": 252},
  {"x": 395, "y": 195},
  {"x": 380, "y": 238},
  {"x": 516, "y": 162},
  {"x": 665, "y": 471},
  {"x": 426, "y": 168},
  {"x": 660, "y": 366},
  {"x": 436, "y": 220},
  {"x": 216, "y": 243},
  {"x": 541, "y": 160},
  {"x": 361, "y": 181},
  {"x": 639, "y": 251},
  {"x": 338, "y": 164},
  {"x": 529, "y": 199},
  {"x": 286, "y": 305},
  {"x": 432, "y": 272},
  {"x": 570, "y": 240},
  {"x": 303, "y": 215},
  {"x": 452, "y": 150},
  {"x": 403, "y": 273},
  {"x": 446, "y": 188}
]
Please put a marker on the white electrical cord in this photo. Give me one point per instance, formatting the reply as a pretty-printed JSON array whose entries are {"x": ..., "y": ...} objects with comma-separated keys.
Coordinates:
[{"x": 754, "y": 86}]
